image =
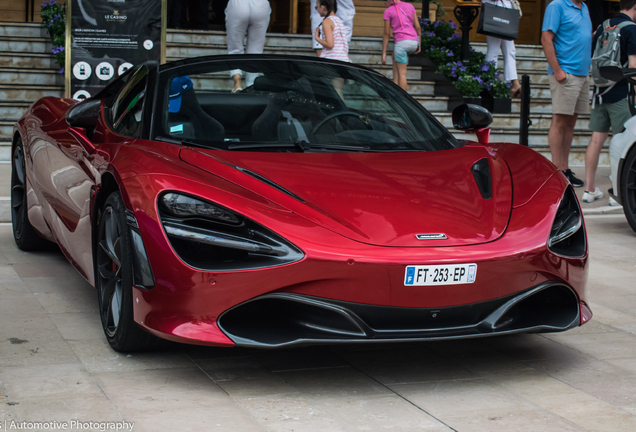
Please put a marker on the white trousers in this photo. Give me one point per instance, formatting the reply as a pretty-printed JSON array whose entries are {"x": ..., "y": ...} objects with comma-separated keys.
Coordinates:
[
  {"x": 251, "y": 18},
  {"x": 343, "y": 13},
  {"x": 508, "y": 49}
]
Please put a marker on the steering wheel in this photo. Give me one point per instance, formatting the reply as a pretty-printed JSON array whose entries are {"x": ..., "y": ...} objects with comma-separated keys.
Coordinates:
[{"x": 341, "y": 114}]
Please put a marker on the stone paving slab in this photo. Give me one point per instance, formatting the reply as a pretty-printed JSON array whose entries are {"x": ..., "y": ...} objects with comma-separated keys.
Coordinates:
[{"x": 56, "y": 365}]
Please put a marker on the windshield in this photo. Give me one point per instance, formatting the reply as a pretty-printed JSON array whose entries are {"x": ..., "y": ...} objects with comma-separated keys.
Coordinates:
[{"x": 292, "y": 105}]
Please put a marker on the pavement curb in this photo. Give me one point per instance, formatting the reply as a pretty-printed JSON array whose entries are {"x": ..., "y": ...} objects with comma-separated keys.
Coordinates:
[{"x": 606, "y": 210}]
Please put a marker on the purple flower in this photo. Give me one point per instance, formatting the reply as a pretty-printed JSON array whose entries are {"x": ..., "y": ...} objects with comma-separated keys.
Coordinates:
[
  {"x": 452, "y": 25},
  {"x": 453, "y": 74},
  {"x": 484, "y": 68},
  {"x": 456, "y": 36},
  {"x": 432, "y": 47},
  {"x": 450, "y": 53},
  {"x": 462, "y": 68},
  {"x": 44, "y": 4},
  {"x": 62, "y": 70},
  {"x": 479, "y": 80},
  {"x": 508, "y": 85},
  {"x": 488, "y": 87},
  {"x": 436, "y": 23},
  {"x": 56, "y": 16},
  {"x": 51, "y": 3}
]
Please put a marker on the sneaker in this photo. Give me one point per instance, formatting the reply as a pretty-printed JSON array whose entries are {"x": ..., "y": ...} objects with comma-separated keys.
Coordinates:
[
  {"x": 589, "y": 197},
  {"x": 573, "y": 180},
  {"x": 613, "y": 202}
]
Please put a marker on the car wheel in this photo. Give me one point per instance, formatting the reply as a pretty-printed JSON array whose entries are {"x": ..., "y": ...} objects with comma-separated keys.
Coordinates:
[
  {"x": 23, "y": 232},
  {"x": 628, "y": 188},
  {"x": 114, "y": 280}
]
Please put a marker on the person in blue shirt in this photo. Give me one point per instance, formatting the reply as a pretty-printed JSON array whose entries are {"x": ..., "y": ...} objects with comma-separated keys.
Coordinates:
[
  {"x": 567, "y": 42},
  {"x": 610, "y": 108}
]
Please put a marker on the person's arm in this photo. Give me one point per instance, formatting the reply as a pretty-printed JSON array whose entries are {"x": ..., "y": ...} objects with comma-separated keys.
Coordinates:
[
  {"x": 632, "y": 60},
  {"x": 327, "y": 31},
  {"x": 550, "y": 55},
  {"x": 385, "y": 40},
  {"x": 418, "y": 30}
]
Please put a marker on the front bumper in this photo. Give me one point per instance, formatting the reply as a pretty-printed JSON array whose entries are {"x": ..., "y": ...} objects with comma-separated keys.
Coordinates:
[{"x": 285, "y": 319}]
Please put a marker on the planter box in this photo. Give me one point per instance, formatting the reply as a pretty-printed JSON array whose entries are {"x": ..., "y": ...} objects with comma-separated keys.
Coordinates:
[
  {"x": 496, "y": 105},
  {"x": 502, "y": 106}
]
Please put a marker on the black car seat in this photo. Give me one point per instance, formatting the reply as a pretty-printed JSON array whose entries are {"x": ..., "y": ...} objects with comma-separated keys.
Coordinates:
[
  {"x": 191, "y": 122},
  {"x": 286, "y": 117}
]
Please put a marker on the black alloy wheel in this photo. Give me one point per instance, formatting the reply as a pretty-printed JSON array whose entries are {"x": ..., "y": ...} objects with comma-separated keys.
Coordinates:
[
  {"x": 23, "y": 232},
  {"x": 114, "y": 280},
  {"x": 628, "y": 188}
]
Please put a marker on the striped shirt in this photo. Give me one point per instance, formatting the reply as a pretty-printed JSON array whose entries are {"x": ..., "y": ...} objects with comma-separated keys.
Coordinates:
[{"x": 340, "y": 50}]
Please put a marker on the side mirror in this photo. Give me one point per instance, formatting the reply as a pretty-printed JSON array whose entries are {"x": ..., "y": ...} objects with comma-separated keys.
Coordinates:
[
  {"x": 84, "y": 114},
  {"x": 471, "y": 117}
]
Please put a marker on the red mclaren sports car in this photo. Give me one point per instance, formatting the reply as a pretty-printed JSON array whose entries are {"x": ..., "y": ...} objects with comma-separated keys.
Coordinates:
[{"x": 318, "y": 203}]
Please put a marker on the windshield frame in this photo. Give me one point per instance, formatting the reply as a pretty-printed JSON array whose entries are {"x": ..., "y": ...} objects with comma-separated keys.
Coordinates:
[{"x": 193, "y": 66}]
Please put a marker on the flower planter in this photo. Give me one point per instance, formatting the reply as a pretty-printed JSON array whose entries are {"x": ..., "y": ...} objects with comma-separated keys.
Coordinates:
[
  {"x": 502, "y": 106},
  {"x": 496, "y": 105}
]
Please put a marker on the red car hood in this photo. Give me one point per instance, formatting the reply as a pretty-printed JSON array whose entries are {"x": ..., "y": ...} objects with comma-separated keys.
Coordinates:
[{"x": 383, "y": 199}]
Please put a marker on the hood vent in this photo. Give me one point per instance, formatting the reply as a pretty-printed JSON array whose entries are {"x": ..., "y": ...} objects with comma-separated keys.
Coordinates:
[
  {"x": 481, "y": 172},
  {"x": 270, "y": 183}
]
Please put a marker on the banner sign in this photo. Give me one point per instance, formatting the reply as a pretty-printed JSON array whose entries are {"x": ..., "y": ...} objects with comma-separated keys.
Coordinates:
[{"x": 108, "y": 37}]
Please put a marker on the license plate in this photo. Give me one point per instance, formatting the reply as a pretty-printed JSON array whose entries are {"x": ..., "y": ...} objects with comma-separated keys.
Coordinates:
[{"x": 453, "y": 274}]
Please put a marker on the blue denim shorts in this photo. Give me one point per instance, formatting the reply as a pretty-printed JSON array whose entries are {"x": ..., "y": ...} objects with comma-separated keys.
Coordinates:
[{"x": 403, "y": 49}]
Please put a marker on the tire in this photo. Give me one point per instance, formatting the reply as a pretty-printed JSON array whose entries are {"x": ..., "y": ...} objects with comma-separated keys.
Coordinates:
[
  {"x": 24, "y": 234},
  {"x": 628, "y": 188},
  {"x": 114, "y": 280}
]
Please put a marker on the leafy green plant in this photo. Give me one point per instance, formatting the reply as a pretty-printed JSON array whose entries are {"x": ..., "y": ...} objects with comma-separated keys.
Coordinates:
[
  {"x": 472, "y": 78},
  {"x": 469, "y": 86},
  {"x": 54, "y": 18}
]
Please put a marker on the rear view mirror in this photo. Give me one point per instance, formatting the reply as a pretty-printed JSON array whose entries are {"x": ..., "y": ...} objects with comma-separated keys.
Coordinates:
[
  {"x": 470, "y": 117},
  {"x": 84, "y": 114}
]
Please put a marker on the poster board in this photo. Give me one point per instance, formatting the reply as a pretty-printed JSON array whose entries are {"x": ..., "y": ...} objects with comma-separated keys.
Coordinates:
[{"x": 104, "y": 38}]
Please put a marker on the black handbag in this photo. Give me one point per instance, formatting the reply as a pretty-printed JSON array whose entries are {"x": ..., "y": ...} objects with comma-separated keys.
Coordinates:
[{"x": 498, "y": 21}]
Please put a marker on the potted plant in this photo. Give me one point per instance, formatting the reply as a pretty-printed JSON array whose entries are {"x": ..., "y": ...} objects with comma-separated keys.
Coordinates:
[
  {"x": 53, "y": 16},
  {"x": 470, "y": 87},
  {"x": 477, "y": 81}
]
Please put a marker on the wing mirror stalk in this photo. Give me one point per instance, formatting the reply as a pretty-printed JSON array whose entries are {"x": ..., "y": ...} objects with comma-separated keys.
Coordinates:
[
  {"x": 473, "y": 119},
  {"x": 79, "y": 134}
]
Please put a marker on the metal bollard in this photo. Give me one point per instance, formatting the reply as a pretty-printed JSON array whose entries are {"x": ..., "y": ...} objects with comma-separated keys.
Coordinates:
[{"x": 524, "y": 120}]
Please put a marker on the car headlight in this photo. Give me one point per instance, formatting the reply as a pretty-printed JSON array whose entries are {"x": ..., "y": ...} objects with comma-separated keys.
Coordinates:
[
  {"x": 210, "y": 237},
  {"x": 567, "y": 236},
  {"x": 184, "y": 206}
]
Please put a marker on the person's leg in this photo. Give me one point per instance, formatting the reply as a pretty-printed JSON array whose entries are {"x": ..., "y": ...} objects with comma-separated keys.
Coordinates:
[
  {"x": 510, "y": 66},
  {"x": 591, "y": 158},
  {"x": 560, "y": 139},
  {"x": 260, "y": 12},
  {"x": 401, "y": 68},
  {"x": 396, "y": 75},
  {"x": 493, "y": 46},
  {"x": 236, "y": 22},
  {"x": 600, "y": 123}
]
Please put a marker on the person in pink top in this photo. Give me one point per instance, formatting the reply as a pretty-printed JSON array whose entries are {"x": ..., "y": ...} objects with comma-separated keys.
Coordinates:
[
  {"x": 331, "y": 34},
  {"x": 401, "y": 19}
]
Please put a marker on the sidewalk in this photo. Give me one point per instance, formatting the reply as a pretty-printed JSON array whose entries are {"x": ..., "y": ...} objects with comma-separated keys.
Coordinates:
[{"x": 597, "y": 207}]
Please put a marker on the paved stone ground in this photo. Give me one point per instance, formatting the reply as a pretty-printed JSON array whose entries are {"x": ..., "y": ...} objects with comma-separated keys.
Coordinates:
[{"x": 56, "y": 365}]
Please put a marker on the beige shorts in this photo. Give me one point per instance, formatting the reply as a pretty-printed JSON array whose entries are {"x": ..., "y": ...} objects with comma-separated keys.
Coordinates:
[{"x": 571, "y": 96}]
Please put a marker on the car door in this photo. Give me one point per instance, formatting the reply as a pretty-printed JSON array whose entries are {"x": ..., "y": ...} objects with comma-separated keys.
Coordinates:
[{"x": 75, "y": 166}]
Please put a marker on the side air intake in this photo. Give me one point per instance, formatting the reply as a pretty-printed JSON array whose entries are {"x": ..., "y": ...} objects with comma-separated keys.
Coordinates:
[{"x": 481, "y": 172}]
